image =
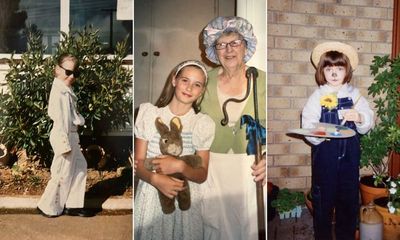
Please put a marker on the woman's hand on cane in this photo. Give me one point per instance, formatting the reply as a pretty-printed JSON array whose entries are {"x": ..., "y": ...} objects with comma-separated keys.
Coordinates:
[{"x": 259, "y": 171}]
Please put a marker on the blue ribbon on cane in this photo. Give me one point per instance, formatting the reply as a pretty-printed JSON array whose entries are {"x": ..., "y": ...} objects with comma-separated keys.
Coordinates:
[{"x": 252, "y": 127}]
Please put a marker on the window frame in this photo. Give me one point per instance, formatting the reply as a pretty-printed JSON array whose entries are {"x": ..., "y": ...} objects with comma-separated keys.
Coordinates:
[
  {"x": 394, "y": 162},
  {"x": 64, "y": 27}
]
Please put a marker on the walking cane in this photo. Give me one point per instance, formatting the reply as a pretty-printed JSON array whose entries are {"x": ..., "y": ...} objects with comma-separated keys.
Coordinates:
[{"x": 256, "y": 135}]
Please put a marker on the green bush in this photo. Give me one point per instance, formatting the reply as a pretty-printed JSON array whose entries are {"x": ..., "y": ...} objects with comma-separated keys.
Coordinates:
[
  {"x": 384, "y": 139},
  {"x": 104, "y": 90}
]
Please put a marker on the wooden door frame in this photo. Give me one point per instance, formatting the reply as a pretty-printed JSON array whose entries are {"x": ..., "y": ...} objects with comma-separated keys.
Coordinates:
[{"x": 394, "y": 166}]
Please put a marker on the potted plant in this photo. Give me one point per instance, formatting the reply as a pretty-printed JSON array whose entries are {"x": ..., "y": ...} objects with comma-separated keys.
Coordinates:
[
  {"x": 383, "y": 140},
  {"x": 389, "y": 208},
  {"x": 288, "y": 203}
]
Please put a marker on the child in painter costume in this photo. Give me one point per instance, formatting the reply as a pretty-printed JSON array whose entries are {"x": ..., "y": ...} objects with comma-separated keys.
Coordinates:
[{"x": 335, "y": 162}]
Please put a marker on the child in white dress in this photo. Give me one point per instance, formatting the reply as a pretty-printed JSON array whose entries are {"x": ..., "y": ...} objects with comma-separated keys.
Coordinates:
[{"x": 181, "y": 97}]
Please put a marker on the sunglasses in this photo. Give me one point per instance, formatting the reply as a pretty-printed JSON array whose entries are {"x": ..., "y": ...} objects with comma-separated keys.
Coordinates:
[{"x": 69, "y": 72}]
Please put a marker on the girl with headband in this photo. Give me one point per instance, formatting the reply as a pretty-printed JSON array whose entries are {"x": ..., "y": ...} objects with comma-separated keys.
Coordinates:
[{"x": 181, "y": 97}]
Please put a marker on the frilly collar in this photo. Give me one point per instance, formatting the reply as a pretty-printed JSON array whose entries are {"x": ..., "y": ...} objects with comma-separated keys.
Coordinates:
[{"x": 60, "y": 85}]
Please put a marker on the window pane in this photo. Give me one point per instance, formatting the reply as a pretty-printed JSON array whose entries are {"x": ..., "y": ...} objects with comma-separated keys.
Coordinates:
[
  {"x": 17, "y": 15},
  {"x": 101, "y": 14}
]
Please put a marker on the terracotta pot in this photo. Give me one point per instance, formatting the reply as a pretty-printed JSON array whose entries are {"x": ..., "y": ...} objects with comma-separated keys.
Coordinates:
[
  {"x": 4, "y": 155},
  {"x": 369, "y": 192},
  {"x": 95, "y": 156},
  {"x": 307, "y": 197},
  {"x": 391, "y": 222}
]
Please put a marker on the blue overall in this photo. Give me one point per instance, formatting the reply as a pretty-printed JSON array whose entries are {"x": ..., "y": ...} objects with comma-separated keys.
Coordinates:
[{"x": 335, "y": 173}]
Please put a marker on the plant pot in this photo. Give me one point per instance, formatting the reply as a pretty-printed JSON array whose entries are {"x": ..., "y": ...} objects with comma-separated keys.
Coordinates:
[
  {"x": 298, "y": 211},
  {"x": 95, "y": 156},
  {"x": 287, "y": 214},
  {"x": 4, "y": 155},
  {"x": 293, "y": 213},
  {"x": 281, "y": 216},
  {"x": 369, "y": 192},
  {"x": 307, "y": 197},
  {"x": 391, "y": 222}
]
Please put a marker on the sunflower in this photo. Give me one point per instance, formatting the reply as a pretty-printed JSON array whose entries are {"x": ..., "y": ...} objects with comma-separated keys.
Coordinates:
[{"x": 329, "y": 101}]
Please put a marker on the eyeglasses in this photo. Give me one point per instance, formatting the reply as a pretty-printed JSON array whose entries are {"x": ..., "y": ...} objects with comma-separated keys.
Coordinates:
[
  {"x": 69, "y": 72},
  {"x": 223, "y": 45}
]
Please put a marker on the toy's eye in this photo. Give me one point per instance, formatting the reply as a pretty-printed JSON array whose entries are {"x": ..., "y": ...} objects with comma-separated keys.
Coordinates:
[{"x": 164, "y": 140}]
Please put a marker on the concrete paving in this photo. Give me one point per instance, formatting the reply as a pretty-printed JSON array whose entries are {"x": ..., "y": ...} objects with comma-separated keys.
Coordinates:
[
  {"x": 291, "y": 228},
  {"x": 19, "y": 220},
  {"x": 31, "y": 226}
]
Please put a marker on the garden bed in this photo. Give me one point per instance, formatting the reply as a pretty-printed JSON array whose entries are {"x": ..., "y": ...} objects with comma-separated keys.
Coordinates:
[{"x": 34, "y": 181}]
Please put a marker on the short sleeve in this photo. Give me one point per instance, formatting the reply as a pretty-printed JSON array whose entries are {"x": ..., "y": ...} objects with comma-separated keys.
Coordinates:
[
  {"x": 144, "y": 123},
  {"x": 203, "y": 132}
]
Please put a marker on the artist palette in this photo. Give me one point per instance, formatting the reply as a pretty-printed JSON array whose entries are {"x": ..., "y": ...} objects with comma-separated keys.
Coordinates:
[{"x": 325, "y": 130}]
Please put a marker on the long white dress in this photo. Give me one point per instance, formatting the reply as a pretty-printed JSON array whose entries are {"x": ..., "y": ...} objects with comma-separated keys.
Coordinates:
[{"x": 149, "y": 220}]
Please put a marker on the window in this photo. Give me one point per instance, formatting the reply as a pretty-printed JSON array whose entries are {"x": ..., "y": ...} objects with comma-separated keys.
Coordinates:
[
  {"x": 45, "y": 15},
  {"x": 101, "y": 14},
  {"x": 17, "y": 15}
]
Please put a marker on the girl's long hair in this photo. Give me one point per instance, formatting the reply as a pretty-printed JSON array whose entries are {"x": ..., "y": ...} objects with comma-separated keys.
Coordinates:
[
  {"x": 333, "y": 58},
  {"x": 169, "y": 90}
]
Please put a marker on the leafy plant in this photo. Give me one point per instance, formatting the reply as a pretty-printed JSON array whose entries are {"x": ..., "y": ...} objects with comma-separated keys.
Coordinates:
[
  {"x": 103, "y": 89},
  {"x": 287, "y": 200},
  {"x": 384, "y": 139}
]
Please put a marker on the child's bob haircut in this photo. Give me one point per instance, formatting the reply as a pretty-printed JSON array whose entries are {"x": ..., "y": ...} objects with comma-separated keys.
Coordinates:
[{"x": 333, "y": 58}]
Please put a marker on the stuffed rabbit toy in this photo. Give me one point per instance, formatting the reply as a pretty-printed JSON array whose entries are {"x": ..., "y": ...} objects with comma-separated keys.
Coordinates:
[{"x": 171, "y": 144}]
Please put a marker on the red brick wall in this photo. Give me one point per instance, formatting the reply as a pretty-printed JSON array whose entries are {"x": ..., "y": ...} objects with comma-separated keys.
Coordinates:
[{"x": 294, "y": 28}]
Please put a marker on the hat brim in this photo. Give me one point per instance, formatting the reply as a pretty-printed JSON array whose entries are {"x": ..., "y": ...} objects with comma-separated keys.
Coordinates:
[
  {"x": 220, "y": 25},
  {"x": 346, "y": 49}
]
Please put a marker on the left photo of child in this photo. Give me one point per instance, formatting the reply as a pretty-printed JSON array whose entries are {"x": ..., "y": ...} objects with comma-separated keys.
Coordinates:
[{"x": 66, "y": 117}]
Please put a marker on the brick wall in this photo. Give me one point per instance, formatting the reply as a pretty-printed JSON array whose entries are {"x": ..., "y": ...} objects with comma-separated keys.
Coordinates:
[{"x": 295, "y": 27}]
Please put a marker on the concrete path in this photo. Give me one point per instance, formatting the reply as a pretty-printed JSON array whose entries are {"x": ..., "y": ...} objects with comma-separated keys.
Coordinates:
[
  {"x": 292, "y": 228},
  {"x": 31, "y": 226},
  {"x": 19, "y": 220}
]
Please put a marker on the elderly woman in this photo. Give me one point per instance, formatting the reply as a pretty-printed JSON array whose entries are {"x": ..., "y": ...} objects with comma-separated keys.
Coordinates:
[{"x": 230, "y": 208}]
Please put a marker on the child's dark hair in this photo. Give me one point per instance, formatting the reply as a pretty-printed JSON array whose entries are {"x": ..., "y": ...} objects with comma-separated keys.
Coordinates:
[
  {"x": 169, "y": 90},
  {"x": 333, "y": 58}
]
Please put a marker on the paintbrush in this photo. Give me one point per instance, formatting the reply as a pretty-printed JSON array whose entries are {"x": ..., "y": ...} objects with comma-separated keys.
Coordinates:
[{"x": 355, "y": 103}]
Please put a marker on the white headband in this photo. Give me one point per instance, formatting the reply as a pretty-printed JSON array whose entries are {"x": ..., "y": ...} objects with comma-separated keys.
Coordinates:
[{"x": 191, "y": 63}]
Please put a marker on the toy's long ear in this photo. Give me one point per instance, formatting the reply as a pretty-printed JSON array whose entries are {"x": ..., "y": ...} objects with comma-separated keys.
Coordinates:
[
  {"x": 161, "y": 127},
  {"x": 176, "y": 124}
]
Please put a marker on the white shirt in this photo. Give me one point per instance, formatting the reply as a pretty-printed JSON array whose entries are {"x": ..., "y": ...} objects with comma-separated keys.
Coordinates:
[{"x": 312, "y": 110}]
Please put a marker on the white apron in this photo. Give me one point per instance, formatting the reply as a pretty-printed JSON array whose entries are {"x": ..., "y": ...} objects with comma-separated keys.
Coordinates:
[{"x": 229, "y": 205}]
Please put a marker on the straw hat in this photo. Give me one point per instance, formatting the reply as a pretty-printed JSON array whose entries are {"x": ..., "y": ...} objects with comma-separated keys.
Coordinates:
[{"x": 347, "y": 50}]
